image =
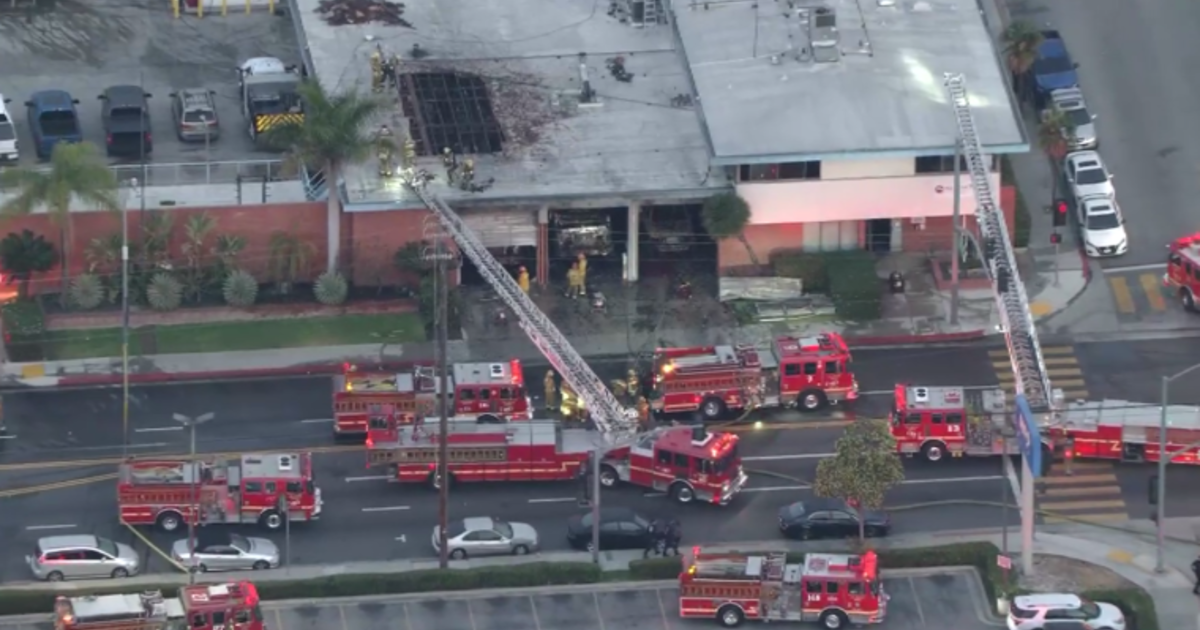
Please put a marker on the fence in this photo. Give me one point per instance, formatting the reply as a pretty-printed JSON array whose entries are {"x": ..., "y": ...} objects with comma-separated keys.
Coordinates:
[
  {"x": 204, "y": 7},
  {"x": 203, "y": 173}
]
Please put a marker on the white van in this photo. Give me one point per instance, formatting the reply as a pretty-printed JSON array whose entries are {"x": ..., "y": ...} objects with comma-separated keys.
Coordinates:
[{"x": 8, "y": 133}]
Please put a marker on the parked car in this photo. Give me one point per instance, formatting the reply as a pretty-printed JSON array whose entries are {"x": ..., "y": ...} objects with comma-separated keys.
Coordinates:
[
  {"x": 52, "y": 119},
  {"x": 829, "y": 518},
  {"x": 1082, "y": 133},
  {"x": 1087, "y": 175},
  {"x": 1053, "y": 68},
  {"x": 219, "y": 549},
  {"x": 620, "y": 528},
  {"x": 195, "y": 113},
  {"x": 9, "y": 147},
  {"x": 1103, "y": 227},
  {"x": 125, "y": 114},
  {"x": 1056, "y": 611},
  {"x": 485, "y": 536},
  {"x": 58, "y": 558}
]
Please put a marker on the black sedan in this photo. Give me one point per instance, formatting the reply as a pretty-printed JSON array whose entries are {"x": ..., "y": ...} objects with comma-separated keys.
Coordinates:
[
  {"x": 829, "y": 518},
  {"x": 620, "y": 528}
]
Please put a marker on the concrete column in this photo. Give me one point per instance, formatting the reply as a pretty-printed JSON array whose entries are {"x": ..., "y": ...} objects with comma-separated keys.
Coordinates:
[
  {"x": 1027, "y": 516},
  {"x": 633, "y": 259},
  {"x": 543, "y": 246}
]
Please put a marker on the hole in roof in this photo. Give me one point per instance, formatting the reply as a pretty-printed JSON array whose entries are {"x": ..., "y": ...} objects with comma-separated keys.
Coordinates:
[{"x": 450, "y": 110}]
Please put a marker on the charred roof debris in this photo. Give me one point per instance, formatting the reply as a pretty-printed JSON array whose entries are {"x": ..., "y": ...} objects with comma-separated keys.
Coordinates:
[{"x": 348, "y": 12}]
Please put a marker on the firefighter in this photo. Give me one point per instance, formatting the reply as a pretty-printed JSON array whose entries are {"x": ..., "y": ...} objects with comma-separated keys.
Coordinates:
[
  {"x": 377, "y": 70},
  {"x": 632, "y": 384},
  {"x": 523, "y": 279},
  {"x": 573, "y": 281},
  {"x": 385, "y": 149},
  {"x": 450, "y": 163},
  {"x": 551, "y": 390},
  {"x": 581, "y": 260},
  {"x": 643, "y": 412},
  {"x": 571, "y": 407},
  {"x": 408, "y": 159},
  {"x": 468, "y": 174}
]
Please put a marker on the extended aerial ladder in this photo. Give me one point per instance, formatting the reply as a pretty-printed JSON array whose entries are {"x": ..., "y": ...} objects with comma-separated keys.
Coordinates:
[
  {"x": 1029, "y": 368},
  {"x": 616, "y": 424}
]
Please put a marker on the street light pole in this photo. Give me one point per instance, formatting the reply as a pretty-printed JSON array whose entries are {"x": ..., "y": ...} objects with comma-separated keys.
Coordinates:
[
  {"x": 191, "y": 424},
  {"x": 955, "y": 237},
  {"x": 1163, "y": 459}
]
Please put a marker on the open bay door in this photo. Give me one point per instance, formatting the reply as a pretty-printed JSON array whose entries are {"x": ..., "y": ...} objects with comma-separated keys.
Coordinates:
[{"x": 502, "y": 228}]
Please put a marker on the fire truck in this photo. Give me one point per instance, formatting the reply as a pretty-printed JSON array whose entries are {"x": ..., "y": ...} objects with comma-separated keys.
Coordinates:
[
  {"x": 230, "y": 606},
  {"x": 1183, "y": 270},
  {"x": 1128, "y": 432},
  {"x": 363, "y": 400},
  {"x": 689, "y": 464},
  {"x": 262, "y": 488},
  {"x": 808, "y": 373},
  {"x": 833, "y": 589},
  {"x": 936, "y": 421}
]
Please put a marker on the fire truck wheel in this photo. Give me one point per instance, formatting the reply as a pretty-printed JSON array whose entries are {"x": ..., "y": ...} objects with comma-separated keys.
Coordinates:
[
  {"x": 683, "y": 493},
  {"x": 169, "y": 521},
  {"x": 1186, "y": 298},
  {"x": 834, "y": 619},
  {"x": 730, "y": 616},
  {"x": 608, "y": 476},
  {"x": 712, "y": 408},
  {"x": 933, "y": 451},
  {"x": 812, "y": 400},
  {"x": 54, "y": 576},
  {"x": 271, "y": 520}
]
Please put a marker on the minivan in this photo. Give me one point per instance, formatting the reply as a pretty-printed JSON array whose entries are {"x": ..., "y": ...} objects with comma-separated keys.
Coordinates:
[{"x": 58, "y": 558}]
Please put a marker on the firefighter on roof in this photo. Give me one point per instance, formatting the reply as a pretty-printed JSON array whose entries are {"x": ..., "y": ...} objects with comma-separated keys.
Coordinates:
[
  {"x": 377, "y": 69},
  {"x": 408, "y": 159},
  {"x": 385, "y": 149},
  {"x": 551, "y": 390},
  {"x": 632, "y": 384}
]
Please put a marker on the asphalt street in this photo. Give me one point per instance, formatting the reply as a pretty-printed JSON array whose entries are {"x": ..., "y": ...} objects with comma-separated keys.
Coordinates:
[
  {"x": 953, "y": 598},
  {"x": 1133, "y": 370}
]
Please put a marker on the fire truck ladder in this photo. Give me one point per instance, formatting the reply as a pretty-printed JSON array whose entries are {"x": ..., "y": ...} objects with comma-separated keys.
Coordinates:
[
  {"x": 616, "y": 424},
  {"x": 1029, "y": 368}
]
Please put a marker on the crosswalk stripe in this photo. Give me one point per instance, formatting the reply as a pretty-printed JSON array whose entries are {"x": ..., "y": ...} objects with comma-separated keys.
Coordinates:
[
  {"x": 1078, "y": 480},
  {"x": 1122, "y": 294},
  {"x": 1060, "y": 360},
  {"x": 1152, "y": 285},
  {"x": 1001, "y": 354},
  {"x": 1055, "y": 379},
  {"x": 1063, "y": 506},
  {"x": 1112, "y": 517},
  {"x": 1060, "y": 469},
  {"x": 1080, "y": 492}
]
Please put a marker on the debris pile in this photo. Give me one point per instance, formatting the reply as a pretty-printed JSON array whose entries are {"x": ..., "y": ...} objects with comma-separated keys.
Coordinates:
[{"x": 344, "y": 12}]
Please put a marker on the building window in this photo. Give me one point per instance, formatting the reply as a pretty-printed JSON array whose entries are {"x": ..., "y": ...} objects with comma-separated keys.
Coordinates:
[
  {"x": 779, "y": 172},
  {"x": 945, "y": 164}
]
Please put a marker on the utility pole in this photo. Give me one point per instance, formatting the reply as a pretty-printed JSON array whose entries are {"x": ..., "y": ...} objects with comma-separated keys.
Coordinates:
[
  {"x": 1163, "y": 459},
  {"x": 955, "y": 237},
  {"x": 596, "y": 457},
  {"x": 125, "y": 325},
  {"x": 191, "y": 424},
  {"x": 441, "y": 324}
]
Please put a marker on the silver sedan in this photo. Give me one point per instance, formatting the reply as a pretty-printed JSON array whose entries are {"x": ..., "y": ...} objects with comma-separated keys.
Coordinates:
[
  {"x": 484, "y": 536},
  {"x": 233, "y": 553}
]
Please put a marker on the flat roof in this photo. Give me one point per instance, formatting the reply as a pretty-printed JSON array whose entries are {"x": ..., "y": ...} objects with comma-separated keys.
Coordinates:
[
  {"x": 765, "y": 99},
  {"x": 642, "y": 140}
]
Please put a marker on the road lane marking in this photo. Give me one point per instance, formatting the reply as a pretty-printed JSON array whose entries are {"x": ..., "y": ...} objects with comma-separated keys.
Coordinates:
[
  {"x": 1056, "y": 480},
  {"x": 1153, "y": 289},
  {"x": 390, "y": 508},
  {"x": 772, "y": 458},
  {"x": 889, "y": 392},
  {"x": 1122, "y": 295},
  {"x": 1115, "y": 517},
  {"x": 906, "y": 482},
  {"x": 402, "y": 538},
  {"x": 1149, "y": 267},
  {"x": 1061, "y": 506},
  {"x": 317, "y": 421},
  {"x": 35, "y": 528},
  {"x": 368, "y": 478},
  {"x": 1076, "y": 492},
  {"x": 157, "y": 429},
  {"x": 655, "y": 494},
  {"x": 776, "y": 489},
  {"x": 558, "y": 500},
  {"x": 8, "y": 437}
]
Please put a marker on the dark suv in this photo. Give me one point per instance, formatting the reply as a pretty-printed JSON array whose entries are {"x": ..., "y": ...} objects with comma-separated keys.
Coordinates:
[
  {"x": 126, "y": 118},
  {"x": 195, "y": 114}
]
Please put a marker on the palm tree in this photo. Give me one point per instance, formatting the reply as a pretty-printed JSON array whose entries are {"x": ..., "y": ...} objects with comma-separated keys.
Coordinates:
[
  {"x": 77, "y": 172},
  {"x": 1054, "y": 135},
  {"x": 725, "y": 216},
  {"x": 334, "y": 133},
  {"x": 24, "y": 254},
  {"x": 1021, "y": 42}
]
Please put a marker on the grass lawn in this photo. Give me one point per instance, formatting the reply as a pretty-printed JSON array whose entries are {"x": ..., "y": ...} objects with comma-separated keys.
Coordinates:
[{"x": 245, "y": 335}]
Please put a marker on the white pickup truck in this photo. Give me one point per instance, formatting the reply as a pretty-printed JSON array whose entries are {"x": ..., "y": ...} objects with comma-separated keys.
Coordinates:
[{"x": 8, "y": 133}]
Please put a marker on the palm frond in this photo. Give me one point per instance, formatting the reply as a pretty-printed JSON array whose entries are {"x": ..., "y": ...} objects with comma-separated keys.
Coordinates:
[{"x": 336, "y": 128}]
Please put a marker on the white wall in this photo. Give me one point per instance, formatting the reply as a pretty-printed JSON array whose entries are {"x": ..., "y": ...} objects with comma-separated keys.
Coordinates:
[{"x": 864, "y": 169}]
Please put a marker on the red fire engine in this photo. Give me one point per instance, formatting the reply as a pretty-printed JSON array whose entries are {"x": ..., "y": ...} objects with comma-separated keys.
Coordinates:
[
  {"x": 362, "y": 399},
  {"x": 231, "y": 606},
  {"x": 833, "y": 589},
  {"x": 1183, "y": 270},
  {"x": 936, "y": 421},
  {"x": 252, "y": 488},
  {"x": 1128, "y": 431},
  {"x": 689, "y": 464},
  {"x": 807, "y": 373}
]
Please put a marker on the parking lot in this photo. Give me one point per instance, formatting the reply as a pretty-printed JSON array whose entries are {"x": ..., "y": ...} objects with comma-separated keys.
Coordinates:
[{"x": 84, "y": 48}]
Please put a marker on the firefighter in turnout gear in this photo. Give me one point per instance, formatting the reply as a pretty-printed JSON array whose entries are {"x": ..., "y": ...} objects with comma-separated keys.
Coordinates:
[
  {"x": 523, "y": 279},
  {"x": 408, "y": 159},
  {"x": 385, "y": 150},
  {"x": 581, "y": 262},
  {"x": 573, "y": 282},
  {"x": 551, "y": 391},
  {"x": 467, "y": 178},
  {"x": 377, "y": 69},
  {"x": 632, "y": 384},
  {"x": 450, "y": 163},
  {"x": 643, "y": 413}
]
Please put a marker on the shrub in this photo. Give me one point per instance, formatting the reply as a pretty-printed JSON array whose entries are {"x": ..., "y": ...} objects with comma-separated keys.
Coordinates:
[
  {"x": 810, "y": 269},
  {"x": 164, "y": 293},
  {"x": 24, "y": 330},
  {"x": 86, "y": 292},
  {"x": 854, "y": 286},
  {"x": 331, "y": 288},
  {"x": 240, "y": 289}
]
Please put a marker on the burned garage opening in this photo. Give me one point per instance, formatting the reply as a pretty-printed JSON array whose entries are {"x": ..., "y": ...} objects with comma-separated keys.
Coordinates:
[
  {"x": 509, "y": 233},
  {"x": 450, "y": 110}
]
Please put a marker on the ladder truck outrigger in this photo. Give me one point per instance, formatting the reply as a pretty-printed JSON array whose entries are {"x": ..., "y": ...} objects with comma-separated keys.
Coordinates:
[{"x": 617, "y": 425}]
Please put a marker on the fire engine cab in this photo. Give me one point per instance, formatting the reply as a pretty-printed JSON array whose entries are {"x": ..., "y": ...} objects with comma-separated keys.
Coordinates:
[
  {"x": 808, "y": 373},
  {"x": 1183, "y": 270},
  {"x": 231, "y": 606},
  {"x": 689, "y": 464},
  {"x": 262, "y": 488},
  {"x": 376, "y": 399},
  {"x": 936, "y": 421},
  {"x": 833, "y": 589}
]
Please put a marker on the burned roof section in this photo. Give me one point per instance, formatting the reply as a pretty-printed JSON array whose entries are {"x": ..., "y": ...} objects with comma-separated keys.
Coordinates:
[{"x": 450, "y": 110}]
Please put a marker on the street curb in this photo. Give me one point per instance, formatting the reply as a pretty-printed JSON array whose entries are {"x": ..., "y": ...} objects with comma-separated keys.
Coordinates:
[{"x": 906, "y": 340}]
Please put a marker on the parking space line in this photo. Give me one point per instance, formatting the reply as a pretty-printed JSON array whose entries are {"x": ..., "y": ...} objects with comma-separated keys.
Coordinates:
[
  {"x": 912, "y": 585},
  {"x": 599, "y": 615},
  {"x": 388, "y": 508},
  {"x": 407, "y": 619},
  {"x": 537, "y": 623},
  {"x": 471, "y": 616},
  {"x": 342, "y": 614}
]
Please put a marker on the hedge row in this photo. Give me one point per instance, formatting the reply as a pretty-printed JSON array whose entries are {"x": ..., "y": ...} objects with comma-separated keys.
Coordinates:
[
  {"x": 849, "y": 278},
  {"x": 1138, "y": 607}
]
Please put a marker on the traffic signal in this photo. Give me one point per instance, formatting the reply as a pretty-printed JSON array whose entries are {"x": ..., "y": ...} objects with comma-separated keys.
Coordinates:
[
  {"x": 1060, "y": 213},
  {"x": 1055, "y": 238},
  {"x": 1152, "y": 491}
]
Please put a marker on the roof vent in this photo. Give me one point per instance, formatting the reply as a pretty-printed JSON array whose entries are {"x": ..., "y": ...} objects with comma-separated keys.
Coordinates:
[
  {"x": 921, "y": 394},
  {"x": 824, "y": 36},
  {"x": 496, "y": 370},
  {"x": 285, "y": 462}
]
